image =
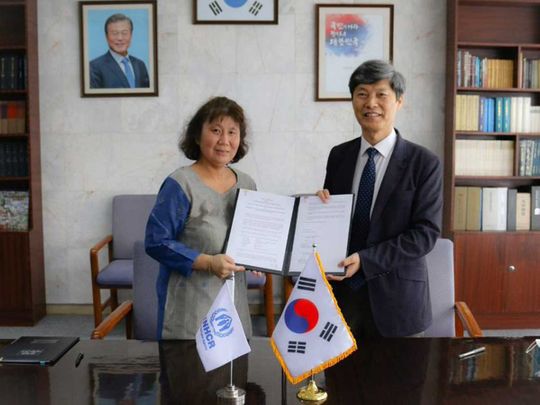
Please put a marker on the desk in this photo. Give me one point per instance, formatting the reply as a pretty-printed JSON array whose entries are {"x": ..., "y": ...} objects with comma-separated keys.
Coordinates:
[{"x": 385, "y": 371}]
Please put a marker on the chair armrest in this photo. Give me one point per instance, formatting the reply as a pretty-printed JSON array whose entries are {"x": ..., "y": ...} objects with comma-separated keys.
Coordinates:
[
  {"x": 94, "y": 254},
  {"x": 124, "y": 310},
  {"x": 467, "y": 319}
]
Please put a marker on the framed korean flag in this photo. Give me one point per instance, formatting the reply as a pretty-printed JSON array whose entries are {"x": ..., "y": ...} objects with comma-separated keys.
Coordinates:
[{"x": 235, "y": 11}]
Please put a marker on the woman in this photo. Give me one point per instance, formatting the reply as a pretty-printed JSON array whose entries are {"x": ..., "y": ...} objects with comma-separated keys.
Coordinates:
[{"x": 187, "y": 227}]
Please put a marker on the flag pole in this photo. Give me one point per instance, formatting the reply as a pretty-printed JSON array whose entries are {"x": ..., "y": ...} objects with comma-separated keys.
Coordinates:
[
  {"x": 231, "y": 394},
  {"x": 311, "y": 392}
]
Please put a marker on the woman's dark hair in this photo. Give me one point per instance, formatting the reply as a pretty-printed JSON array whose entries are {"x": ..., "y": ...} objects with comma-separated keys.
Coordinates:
[
  {"x": 372, "y": 71},
  {"x": 213, "y": 109}
]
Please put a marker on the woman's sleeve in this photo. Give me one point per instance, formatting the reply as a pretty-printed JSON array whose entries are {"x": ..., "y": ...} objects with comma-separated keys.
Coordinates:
[{"x": 167, "y": 220}]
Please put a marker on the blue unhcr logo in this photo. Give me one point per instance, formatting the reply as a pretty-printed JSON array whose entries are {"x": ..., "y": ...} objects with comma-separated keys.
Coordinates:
[{"x": 221, "y": 323}]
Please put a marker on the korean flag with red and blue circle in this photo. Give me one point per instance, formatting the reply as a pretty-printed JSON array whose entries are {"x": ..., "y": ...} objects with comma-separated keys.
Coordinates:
[
  {"x": 237, "y": 10},
  {"x": 311, "y": 333}
]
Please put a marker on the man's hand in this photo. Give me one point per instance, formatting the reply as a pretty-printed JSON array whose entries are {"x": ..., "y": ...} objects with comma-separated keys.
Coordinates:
[{"x": 351, "y": 264}]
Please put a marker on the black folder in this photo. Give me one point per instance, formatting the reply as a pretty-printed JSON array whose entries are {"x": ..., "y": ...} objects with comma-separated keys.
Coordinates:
[{"x": 42, "y": 350}]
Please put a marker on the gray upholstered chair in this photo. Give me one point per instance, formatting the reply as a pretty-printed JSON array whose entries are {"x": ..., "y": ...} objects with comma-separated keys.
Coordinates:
[
  {"x": 440, "y": 262},
  {"x": 129, "y": 216},
  {"x": 141, "y": 313}
]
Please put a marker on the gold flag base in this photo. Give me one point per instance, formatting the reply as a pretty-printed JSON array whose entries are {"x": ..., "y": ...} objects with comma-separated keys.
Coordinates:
[{"x": 312, "y": 393}]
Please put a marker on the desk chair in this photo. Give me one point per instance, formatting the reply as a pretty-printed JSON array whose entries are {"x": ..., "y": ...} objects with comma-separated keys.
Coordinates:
[
  {"x": 141, "y": 313},
  {"x": 129, "y": 216},
  {"x": 440, "y": 263}
]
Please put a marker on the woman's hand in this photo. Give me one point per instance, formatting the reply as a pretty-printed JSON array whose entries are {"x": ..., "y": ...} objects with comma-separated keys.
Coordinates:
[{"x": 223, "y": 266}]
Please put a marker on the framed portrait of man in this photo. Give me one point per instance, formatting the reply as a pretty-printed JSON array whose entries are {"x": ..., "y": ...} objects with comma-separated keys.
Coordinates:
[{"x": 118, "y": 48}]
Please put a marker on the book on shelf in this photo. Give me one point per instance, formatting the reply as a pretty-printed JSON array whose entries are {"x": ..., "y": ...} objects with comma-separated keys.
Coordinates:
[
  {"x": 494, "y": 208},
  {"x": 511, "y": 210},
  {"x": 531, "y": 73},
  {"x": 474, "y": 209},
  {"x": 529, "y": 157},
  {"x": 12, "y": 71},
  {"x": 535, "y": 208},
  {"x": 523, "y": 211},
  {"x": 276, "y": 233},
  {"x": 460, "y": 208},
  {"x": 475, "y": 71},
  {"x": 484, "y": 157},
  {"x": 13, "y": 210},
  {"x": 496, "y": 114},
  {"x": 12, "y": 117},
  {"x": 13, "y": 158}
]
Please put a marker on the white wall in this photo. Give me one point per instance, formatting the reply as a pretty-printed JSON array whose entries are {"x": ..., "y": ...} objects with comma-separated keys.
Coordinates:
[{"x": 95, "y": 148}]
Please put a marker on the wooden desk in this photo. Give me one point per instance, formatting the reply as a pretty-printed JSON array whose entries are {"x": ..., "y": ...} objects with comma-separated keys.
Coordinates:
[{"x": 386, "y": 371}]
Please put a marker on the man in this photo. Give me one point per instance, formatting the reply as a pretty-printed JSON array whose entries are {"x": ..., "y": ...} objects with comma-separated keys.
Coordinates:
[
  {"x": 117, "y": 69},
  {"x": 398, "y": 212}
]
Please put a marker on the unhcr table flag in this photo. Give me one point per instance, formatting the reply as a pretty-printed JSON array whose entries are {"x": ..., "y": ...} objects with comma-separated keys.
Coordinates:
[
  {"x": 311, "y": 334},
  {"x": 221, "y": 338}
]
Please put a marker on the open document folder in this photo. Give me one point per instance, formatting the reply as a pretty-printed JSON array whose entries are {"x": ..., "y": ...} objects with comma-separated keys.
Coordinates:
[{"x": 276, "y": 233}]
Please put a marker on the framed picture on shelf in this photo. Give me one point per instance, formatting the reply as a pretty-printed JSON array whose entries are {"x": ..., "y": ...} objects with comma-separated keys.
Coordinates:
[
  {"x": 235, "y": 11},
  {"x": 118, "y": 48},
  {"x": 346, "y": 36}
]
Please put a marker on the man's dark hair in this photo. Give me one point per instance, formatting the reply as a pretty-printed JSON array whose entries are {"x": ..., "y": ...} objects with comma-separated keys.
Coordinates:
[
  {"x": 373, "y": 71},
  {"x": 215, "y": 108},
  {"x": 118, "y": 17}
]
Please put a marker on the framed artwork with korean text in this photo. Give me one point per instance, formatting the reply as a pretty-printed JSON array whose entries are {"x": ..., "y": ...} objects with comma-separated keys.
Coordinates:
[{"x": 346, "y": 36}]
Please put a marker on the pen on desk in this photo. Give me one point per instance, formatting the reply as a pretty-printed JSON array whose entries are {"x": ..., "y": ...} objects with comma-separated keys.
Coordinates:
[
  {"x": 79, "y": 358},
  {"x": 472, "y": 353}
]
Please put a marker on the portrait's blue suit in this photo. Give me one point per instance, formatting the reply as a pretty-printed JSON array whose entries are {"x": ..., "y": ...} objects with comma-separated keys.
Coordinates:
[
  {"x": 106, "y": 74},
  {"x": 405, "y": 223}
]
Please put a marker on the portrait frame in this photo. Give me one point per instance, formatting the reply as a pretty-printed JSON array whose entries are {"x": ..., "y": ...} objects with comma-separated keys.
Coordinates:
[
  {"x": 101, "y": 74},
  {"x": 346, "y": 36},
  {"x": 235, "y": 11}
]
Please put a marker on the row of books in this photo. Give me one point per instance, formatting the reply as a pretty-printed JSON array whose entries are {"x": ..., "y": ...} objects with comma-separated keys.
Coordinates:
[
  {"x": 12, "y": 71},
  {"x": 13, "y": 210},
  {"x": 496, "y": 209},
  {"x": 474, "y": 71},
  {"x": 12, "y": 117},
  {"x": 496, "y": 114},
  {"x": 529, "y": 162},
  {"x": 13, "y": 159},
  {"x": 531, "y": 73},
  {"x": 484, "y": 157}
]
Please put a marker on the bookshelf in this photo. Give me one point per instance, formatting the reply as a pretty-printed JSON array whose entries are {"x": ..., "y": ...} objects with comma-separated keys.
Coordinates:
[
  {"x": 22, "y": 285},
  {"x": 492, "y": 99}
]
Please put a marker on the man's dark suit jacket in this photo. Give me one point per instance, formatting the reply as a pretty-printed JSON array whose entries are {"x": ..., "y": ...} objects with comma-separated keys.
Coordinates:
[
  {"x": 405, "y": 223},
  {"x": 106, "y": 74}
]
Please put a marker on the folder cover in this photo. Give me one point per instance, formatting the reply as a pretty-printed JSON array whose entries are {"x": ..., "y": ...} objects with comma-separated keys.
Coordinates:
[{"x": 43, "y": 350}]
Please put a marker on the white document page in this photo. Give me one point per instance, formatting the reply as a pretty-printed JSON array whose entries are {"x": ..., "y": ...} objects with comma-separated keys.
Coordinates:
[
  {"x": 260, "y": 229},
  {"x": 327, "y": 226}
]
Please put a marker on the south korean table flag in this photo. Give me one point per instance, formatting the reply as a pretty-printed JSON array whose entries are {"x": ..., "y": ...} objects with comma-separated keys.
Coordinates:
[
  {"x": 311, "y": 333},
  {"x": 221, "y": 338}
]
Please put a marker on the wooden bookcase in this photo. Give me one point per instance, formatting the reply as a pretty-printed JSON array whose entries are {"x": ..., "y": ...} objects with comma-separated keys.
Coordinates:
[
  {"x": 22, "y": 285},
  {"x": 497, "y": 273}
]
